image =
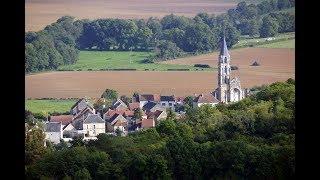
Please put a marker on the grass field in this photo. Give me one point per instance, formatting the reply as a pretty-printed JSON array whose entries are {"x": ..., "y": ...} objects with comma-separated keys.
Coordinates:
[
  {"x": 48, "y": 106},
  {"x": 97, "y": 60},
  {"x": 281, "y": 44},
  {"x": 246, "y": 41}
]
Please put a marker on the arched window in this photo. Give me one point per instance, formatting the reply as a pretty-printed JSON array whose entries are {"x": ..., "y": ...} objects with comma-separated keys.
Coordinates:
[
  {"x": 225, "y": 59},
  {"x": 226, "y": 80},
  {"x": 226, "y": 70}
]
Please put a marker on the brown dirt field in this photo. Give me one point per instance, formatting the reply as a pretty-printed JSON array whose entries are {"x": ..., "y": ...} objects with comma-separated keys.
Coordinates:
[
  {"x": 276, "y": 65},
  {"x": 40, "y": 13}
]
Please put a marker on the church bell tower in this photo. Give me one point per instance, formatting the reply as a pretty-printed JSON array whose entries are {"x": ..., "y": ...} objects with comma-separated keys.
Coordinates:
[{"x": 223, "y": 73}]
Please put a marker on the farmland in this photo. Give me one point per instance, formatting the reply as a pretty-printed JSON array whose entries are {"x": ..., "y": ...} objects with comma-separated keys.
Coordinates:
[
  {"x": 276, "y": 65},
  {"x": 42, "y": 13},
  {"x": 48, "y": 106},
  {"x": 101, "y": 60}
]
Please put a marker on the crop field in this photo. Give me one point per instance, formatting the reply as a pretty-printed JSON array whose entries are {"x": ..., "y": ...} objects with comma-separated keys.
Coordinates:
[
  {"x": 48, "y": 106},
  {"x": 276, "y": 65},
  {"x": 100, "y": 60}
]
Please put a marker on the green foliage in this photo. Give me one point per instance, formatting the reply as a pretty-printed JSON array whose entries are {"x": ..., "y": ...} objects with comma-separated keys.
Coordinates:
[
  {"x": 34, "y": 145},
  {"x": 82, "y": 174},
  {"x": 46, "y": 106},
  {"x": 137, "y": 113},
  {"x": 110, "y": 94},
  {"x": 269, "y": 27}
]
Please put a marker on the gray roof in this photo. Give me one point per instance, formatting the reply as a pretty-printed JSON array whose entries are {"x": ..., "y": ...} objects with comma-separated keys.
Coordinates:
[
  {"x": 52, "y": 127},
  {"x": 224, "y": 49},
  {"x": 93, "y": 118},
  {"x": 167, "y": 98},
  {"x": 149, "y": 105}
]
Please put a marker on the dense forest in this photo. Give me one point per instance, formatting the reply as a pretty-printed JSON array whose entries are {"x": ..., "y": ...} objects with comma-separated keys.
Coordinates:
[
  {"x": 170, "y": 37},
  {"x": 251, "y": 139}
]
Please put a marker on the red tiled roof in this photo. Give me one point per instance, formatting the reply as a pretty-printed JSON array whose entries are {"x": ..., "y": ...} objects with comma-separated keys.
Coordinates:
[
  {"x": 133, "y": 106},
  {"x": 112, "y": 112},
  {"x": 149, "y": 97},
  {"x": 147, "y": 123},
  {"x": 64, "y": 119},
  {"x": 154, "y": 114},
  {"x": 206, "y": 98}
]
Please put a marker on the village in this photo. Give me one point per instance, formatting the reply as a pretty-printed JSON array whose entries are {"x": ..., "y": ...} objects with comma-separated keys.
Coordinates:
[{"x": 143, "y": 111}]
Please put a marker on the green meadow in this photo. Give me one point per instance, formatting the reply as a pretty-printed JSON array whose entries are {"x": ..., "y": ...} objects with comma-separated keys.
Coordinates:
[
  {"x": 49, "y": 106},
  {"x": 102, "y": 60},
  {"x": 280, "y": 44}
]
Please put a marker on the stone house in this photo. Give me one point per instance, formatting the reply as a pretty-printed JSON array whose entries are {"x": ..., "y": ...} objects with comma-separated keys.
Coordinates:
[
  {"x": 93, "y": 125},
  {"x": 117, "y": 121},
  {"x": 145, "y": 98},
  {"x": 119, "y": 105},
  {"x": 80, "y": 105},
  {"x": 167, "y": 101},
  {"x": 53, "y": 131}
]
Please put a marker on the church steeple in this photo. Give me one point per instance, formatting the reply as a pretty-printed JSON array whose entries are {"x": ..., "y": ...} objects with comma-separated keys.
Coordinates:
[{"x": 224, "y": 49}]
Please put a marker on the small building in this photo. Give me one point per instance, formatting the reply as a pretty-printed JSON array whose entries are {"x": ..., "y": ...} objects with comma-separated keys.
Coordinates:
[
  {"x": 119, "y": 105},
  {"x": 80, "y": 105},
  {"x": 53, "y": 132},
  {"x": 133, "y": 106},
  {"x": 157, "y": 115},
  {"x": 117, "y": 121},
  {"x": 93, "y": 125},
  {"x": 145, "y": 98},
  {"x": 207, "y": 98},
  {"x": 167, "y": 101},
  {"x": 64, "y": 119},
  {"x": 152, "y": 107}
]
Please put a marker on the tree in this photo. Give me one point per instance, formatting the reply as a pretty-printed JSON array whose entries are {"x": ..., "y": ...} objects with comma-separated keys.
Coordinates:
[
  {"x": 126, "y": 99},
  {"x": 110, "y": 94},
  {"x": 82, "y": 174},
  {"x": 199, "y": 38},
  {"x": 170, "y": 114},
  {"x": 269, "y": 27},
  {"x": 189, "y": 100},
  {"x": 168, "y": 50},
  {"x": 137, "y": 113},
  {"x": 34, "y": 145}
]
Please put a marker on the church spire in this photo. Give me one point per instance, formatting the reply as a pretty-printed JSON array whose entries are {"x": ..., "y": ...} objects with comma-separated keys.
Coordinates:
[{"x": 224, "y": 49}]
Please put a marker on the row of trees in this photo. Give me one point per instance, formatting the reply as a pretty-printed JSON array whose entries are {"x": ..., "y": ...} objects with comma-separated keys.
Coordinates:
[
  {"x": 172, "y": 36},
  {"x": 251, "y": 139}
]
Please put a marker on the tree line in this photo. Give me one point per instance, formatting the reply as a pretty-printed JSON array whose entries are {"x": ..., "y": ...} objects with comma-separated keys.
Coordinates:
[
  {"x": 251, "y": 139},
  {"x": 170, "y": 37}
]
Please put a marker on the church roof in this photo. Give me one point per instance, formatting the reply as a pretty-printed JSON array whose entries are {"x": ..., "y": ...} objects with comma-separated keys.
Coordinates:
[{"x": 224, "y": 49}]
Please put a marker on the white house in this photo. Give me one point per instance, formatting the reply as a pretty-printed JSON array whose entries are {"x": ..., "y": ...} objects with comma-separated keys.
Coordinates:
[
  {"x": 167, "y": 101},
  {"x": 145, "y": 98},
  {"x": 93, "y": 125},
  {"x": 53, "y": 132},
  {"x": 207, "y": 98}
]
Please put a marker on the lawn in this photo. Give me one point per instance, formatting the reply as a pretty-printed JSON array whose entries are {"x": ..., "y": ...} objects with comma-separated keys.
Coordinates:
[
  {"x": 281, "y": 44},
  {"x": 49, "y": 106},
  {"x": 246, "y": 41},
  {"x": 99, "y": 60}
]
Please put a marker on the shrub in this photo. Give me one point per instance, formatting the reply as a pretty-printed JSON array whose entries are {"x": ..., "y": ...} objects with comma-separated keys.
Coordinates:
[
  {"x": 202, "y": 65},
  {"x": 255, "y": 63},
  {"x": 147, "y": 61},
  {"x": 234, "y": 68},
  {"x": 89, "y": 69},
  {"x": 79, "y": 70}
]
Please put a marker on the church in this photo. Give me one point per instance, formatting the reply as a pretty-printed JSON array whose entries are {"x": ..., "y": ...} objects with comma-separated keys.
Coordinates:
[{"x": 229, "y": 89}]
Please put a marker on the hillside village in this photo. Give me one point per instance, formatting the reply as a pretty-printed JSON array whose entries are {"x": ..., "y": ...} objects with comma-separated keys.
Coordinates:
[{"x": 142, "y": 112}]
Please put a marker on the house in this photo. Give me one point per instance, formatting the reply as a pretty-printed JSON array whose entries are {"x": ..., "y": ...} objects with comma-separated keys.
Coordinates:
[
  {"x": 157, "y": 115},
  {"x": 145, "y": 98},
  {"x": 167, "y": 101},
  {"x": 119, "y": 105},
  {"x": 147, "y": 123},
  {"x": 206, "y": 98},
  {"x": 125, "y": 113},
  {"x": 53, "y": 132},
  {"x": 93, "y": 125},
  {"x": 80, "y": 105},
  {"x": 117, "y": 121},
  {"x": 81, "y": 116},
  {"x": 179, "y": 100},
  {"x": 133, "y": 106},
  {"x": 64, "y": 119},
  {"x": 152, "y": 107},
  {"x": 69, "y": 132}
]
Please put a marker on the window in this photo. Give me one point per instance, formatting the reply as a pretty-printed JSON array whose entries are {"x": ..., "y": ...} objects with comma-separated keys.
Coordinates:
[
  {"x": 170, "y": 104},
  {"x": 225, "y": 60},
  {"x": 94, "y": 126},
  {"x": 87, "y": 126},
  {"x": 226, "y": 70},
  {"x": 163, "y": 104}
]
